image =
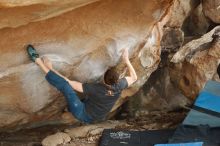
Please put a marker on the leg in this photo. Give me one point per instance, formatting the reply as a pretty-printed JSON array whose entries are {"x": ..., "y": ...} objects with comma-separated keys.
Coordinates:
[
  {"x": 75, "y": 106},
  {"x": 52, "y": 76},
  {"x": 48, "y": 64},
  {"x": 34, "y": 56},
  {"x": 39, "y": 62}
]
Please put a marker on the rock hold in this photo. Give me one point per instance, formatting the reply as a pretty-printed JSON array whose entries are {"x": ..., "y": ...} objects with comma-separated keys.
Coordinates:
[{"x": 56, "y": 139}]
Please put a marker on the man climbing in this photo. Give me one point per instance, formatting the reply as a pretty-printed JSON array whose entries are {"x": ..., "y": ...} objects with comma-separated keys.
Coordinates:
[{"x": 100, "y": 97}]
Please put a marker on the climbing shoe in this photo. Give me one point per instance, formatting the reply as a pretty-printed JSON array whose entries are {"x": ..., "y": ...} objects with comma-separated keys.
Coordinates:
[{"x": 32, "y": 53}]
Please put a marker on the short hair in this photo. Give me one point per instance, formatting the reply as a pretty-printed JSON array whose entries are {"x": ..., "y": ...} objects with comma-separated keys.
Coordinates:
[
  {"x": 111, "y": 76},
  {"x": 218, "y": 70}
]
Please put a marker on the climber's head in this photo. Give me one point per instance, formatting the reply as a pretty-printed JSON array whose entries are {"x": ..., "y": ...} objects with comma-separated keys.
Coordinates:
[
  {"x": 111, "y": 76},
  {"x": 218, "y": 70}
]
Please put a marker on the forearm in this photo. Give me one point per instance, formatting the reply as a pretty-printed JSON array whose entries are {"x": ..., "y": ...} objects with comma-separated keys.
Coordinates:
[
  {"x": 131, "y": 70},
  {"x": 132, "y": 74}
]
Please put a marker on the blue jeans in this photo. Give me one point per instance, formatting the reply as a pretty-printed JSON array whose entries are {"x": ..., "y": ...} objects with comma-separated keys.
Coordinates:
[{"x": 76, "y": 107}]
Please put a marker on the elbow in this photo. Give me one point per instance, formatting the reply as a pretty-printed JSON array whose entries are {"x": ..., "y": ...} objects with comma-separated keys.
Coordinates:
[{"x": 135, "y": 78}]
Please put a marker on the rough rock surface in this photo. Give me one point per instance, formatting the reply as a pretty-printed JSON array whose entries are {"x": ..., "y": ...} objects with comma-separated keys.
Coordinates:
[
  {"x": 196, "y": 23},
  {"x": 15, "y": 13},
  {"x": 196, "y": 63},
  {"x": 186, "y": 24},
  {"x": 56, "y": 139},
  {"x": 85, "y": 37},
  {"x": 158, "y": 94},
  {"x": 211, "y": 9}
]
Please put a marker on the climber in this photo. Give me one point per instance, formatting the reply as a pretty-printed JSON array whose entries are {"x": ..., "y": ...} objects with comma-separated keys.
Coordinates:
[{"x": 99, "y": 97}]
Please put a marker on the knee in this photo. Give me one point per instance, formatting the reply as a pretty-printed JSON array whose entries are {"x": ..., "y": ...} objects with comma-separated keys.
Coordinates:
[
  {"x": 74, "y": 108},
  {"x": 76, "y": 105},
  {"x": 67, "y": 89}
]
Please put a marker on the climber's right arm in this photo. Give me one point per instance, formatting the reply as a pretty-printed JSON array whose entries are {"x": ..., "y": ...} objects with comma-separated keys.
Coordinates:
[{"x": 132, "y": 74}]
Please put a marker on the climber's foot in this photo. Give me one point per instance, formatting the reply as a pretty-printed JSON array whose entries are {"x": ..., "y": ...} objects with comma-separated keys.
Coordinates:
[{"x": 32, "y": 53}]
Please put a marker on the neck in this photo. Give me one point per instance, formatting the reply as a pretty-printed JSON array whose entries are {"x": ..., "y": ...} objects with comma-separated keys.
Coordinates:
[{"x": 106, "y": 84}]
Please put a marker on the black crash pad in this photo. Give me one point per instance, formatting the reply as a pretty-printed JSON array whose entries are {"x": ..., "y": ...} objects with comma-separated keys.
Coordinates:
[
  {"x": 112, "y": 137},
  {"x": 184, "y": 133}
]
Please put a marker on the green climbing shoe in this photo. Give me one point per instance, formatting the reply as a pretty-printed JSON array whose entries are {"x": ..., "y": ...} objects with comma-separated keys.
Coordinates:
[{"x": 32, "y": 53}]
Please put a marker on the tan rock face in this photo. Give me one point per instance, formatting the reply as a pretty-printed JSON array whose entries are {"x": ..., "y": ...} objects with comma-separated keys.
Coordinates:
[
  {"x": 196, "y": 23},
  {"x": 22, "y": 12},
  {"x": 82, "y": 43},
  {"x": 179, "y": 11},
  {"x": 193, "y": 64},
  {"x": 197, "y": 63},
  {"x": 83, "y": 38},
  {"x": 56, "y": 139},
  {"x": 211, "y": 9},
  {"x": 185, "y": 19}
]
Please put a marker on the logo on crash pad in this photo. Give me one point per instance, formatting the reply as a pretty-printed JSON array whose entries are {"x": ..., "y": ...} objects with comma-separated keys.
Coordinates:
[{"x": 120, "y": 135}]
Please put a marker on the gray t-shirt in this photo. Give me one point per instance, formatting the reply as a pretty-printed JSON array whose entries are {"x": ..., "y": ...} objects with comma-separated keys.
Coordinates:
[{"x": 100, "y": 98}]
